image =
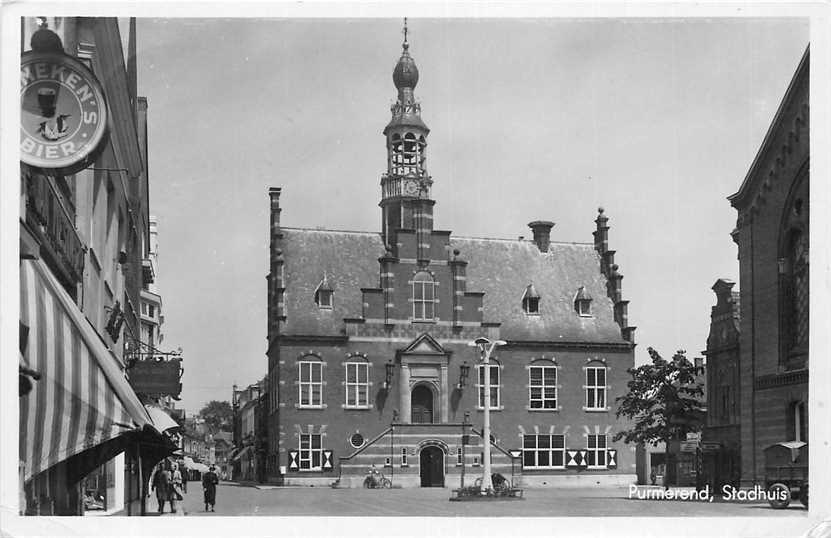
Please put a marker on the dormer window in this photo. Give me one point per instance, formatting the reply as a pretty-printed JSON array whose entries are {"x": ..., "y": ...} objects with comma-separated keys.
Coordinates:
[
  {"x": 531, "y": 301},
  {"x": 583, "y": 302},
  {"x": 324, "y": 294}
]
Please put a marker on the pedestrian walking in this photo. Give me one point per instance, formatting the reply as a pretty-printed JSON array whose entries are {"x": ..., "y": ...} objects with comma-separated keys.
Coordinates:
[
  {"x": 185, "y": 473},
  {"x": 161, "y": 484},
  {"x": 209, "y": 482},
  {"x": 176, "y": 487}
]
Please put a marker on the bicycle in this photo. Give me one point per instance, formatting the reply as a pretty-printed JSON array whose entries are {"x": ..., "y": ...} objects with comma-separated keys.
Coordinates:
[{"x": 377, "y": 481}]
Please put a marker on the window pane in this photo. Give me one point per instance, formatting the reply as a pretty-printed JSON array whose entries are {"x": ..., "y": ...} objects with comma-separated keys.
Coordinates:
[
  {"x": 590, "y": 377},
  {"x": 304, "y": 441},
  {"x": 494, "y": 374},
  {"x": 362, "y": 395},
  {"x": 601, "y": 457},
  {"x": 536, "y": 393},
  {"x": 543, "y": 459},
  {"x": 529, "y": 441},
  {"x": 557, "y": 458},
  {"x": 529, "y": 458},
  {"x": 304, "y": 371},
  {"x": 601, "y": 398},
  {"x": 536, "y": 376},
  {"x": 592, "y": 441},
  {"x": 558, "y": 441},
  {"x": 315, "y": 459},
  {"x": 601, "y": 441},
  {"x": 317, "y": 371},
  {"x": 363, "y": 373},
  {"x": 550, "y": 392},
  {"x": 315, "y": 394},
  {"x": 591, "y": 457},
  {"x": 551, "y": 404},
  {"x": 590, "y": 398},
  {"x": 494, "y": 396},
  {"x": 315, "y": 441},
  {"x": 601, "y": 376},
  {"x": 550, "y": 376},
  {"x": 544, "y": 441},
  {"x": 351, "y": 373},
  {"x": 429, "y": 291}
]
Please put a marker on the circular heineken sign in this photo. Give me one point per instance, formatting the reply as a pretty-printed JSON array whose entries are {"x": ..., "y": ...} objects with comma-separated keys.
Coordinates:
[{"x": 63, "y": 120}]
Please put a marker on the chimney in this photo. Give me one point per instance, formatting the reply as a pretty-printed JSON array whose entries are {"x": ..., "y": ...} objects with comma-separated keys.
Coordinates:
[{"x": 542, "y": 233}]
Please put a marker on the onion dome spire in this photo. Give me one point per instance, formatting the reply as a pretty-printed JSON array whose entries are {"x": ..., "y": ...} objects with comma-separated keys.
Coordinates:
[
  {"x": 405, "y": 74},
  {"x": 406, "y": 111}
]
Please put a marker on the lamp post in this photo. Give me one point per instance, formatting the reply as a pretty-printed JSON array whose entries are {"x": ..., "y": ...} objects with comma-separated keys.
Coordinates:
[{"x": 486, "y": 347}]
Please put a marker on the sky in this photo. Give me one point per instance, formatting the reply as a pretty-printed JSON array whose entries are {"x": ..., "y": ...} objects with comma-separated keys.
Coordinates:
[{"x": 655, "y": 120}]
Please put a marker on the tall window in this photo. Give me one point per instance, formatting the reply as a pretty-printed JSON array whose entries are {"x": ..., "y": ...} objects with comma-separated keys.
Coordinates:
[
  {"x": 357, "y": 384},
  {"x": 596, "y": 387},
  {"x": 596, "y": 446},
  {"x": 798, "y": 423},
  {"x": 495, "y": 387},
  {"x": 542, "y": 387},
  {"x": 311, "y": 451},
  {"x": 543, "y": 451},
  {"x": 424, "y": 297},
  {"x": 311, "y": 382},
  {"x": 799, "y": 282}
]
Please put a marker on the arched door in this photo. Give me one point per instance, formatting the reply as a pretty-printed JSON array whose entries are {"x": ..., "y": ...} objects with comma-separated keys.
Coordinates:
[
  {"x": 422, "y": 405},
  {"x": 431, "y": 469}
]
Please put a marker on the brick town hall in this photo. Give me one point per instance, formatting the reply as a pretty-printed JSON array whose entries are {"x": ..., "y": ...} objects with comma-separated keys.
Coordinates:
[{"x": 368, "y": 332}]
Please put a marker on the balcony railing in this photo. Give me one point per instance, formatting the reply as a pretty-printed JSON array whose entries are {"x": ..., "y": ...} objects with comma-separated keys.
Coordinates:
[{"x": 49, "y": 220}]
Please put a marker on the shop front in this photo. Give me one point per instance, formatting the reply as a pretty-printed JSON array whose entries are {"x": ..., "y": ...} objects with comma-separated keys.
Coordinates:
[{"x": 85, "y": 438}]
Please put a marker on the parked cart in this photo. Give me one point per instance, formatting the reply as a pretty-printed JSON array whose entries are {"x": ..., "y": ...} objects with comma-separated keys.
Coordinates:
[{"x": 786, "y": 473}]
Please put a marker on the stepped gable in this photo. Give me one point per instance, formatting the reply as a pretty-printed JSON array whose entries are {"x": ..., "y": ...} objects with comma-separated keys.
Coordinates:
[
  {"x": 349, "y": 261},
  {"x": 503, "y": 268}
]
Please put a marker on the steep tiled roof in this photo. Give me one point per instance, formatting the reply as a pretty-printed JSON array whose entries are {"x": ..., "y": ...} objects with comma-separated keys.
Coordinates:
[
  {"x": 504, "y": 268},
  {"x": 350, "y": 261}
]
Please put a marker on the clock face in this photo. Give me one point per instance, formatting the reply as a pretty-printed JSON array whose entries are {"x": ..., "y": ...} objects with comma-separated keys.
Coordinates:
[{"x": 411, "y": 188}]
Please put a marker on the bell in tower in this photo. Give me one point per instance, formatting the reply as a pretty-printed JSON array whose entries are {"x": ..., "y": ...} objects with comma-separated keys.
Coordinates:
[{"x": 405, "y": 187}]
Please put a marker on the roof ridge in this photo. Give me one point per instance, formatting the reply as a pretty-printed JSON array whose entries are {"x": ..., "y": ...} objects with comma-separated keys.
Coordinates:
[
  {"x": 452, "y": 237},
  {"x": 531, "y": 241},
  {"x": 301, "y": 229}
]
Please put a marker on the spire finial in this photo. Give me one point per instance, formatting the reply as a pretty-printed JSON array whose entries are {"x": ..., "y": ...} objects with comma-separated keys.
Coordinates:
[{"x": 405, "y": 44}]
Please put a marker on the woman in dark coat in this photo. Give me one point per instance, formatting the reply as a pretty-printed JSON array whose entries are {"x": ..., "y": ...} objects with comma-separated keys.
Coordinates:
[
  {"x": 162, "y": 485},
  {"x": 209, "y": 482}
]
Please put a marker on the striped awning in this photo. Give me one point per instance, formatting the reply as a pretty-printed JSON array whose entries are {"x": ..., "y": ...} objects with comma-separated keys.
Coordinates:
[
  {"x": 82, "y": 398},
  {"x": 161, "y": 420}
]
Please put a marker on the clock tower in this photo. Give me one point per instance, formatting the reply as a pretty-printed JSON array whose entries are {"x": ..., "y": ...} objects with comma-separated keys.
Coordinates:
[{"x": 405, "y": 187}]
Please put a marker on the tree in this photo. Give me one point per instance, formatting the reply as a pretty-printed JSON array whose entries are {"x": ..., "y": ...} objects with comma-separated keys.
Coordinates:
[
  {"x": 218, "y": 415},
  {"x": 664, "y": 400}
]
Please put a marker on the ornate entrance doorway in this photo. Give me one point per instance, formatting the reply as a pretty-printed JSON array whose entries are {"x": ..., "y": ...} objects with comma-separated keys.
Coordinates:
[
  {"x": 431, "y": 462},
  {"x": 422, "y": 405}
]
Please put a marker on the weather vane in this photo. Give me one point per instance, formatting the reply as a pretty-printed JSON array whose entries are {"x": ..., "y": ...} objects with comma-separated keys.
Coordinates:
[{"x": 405, "y": 30}]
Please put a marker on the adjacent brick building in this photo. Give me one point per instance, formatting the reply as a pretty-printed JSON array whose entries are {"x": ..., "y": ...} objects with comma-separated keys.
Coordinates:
[
  {"x": 766, "y": 398},
  {"x": 369, "y": 361}
]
